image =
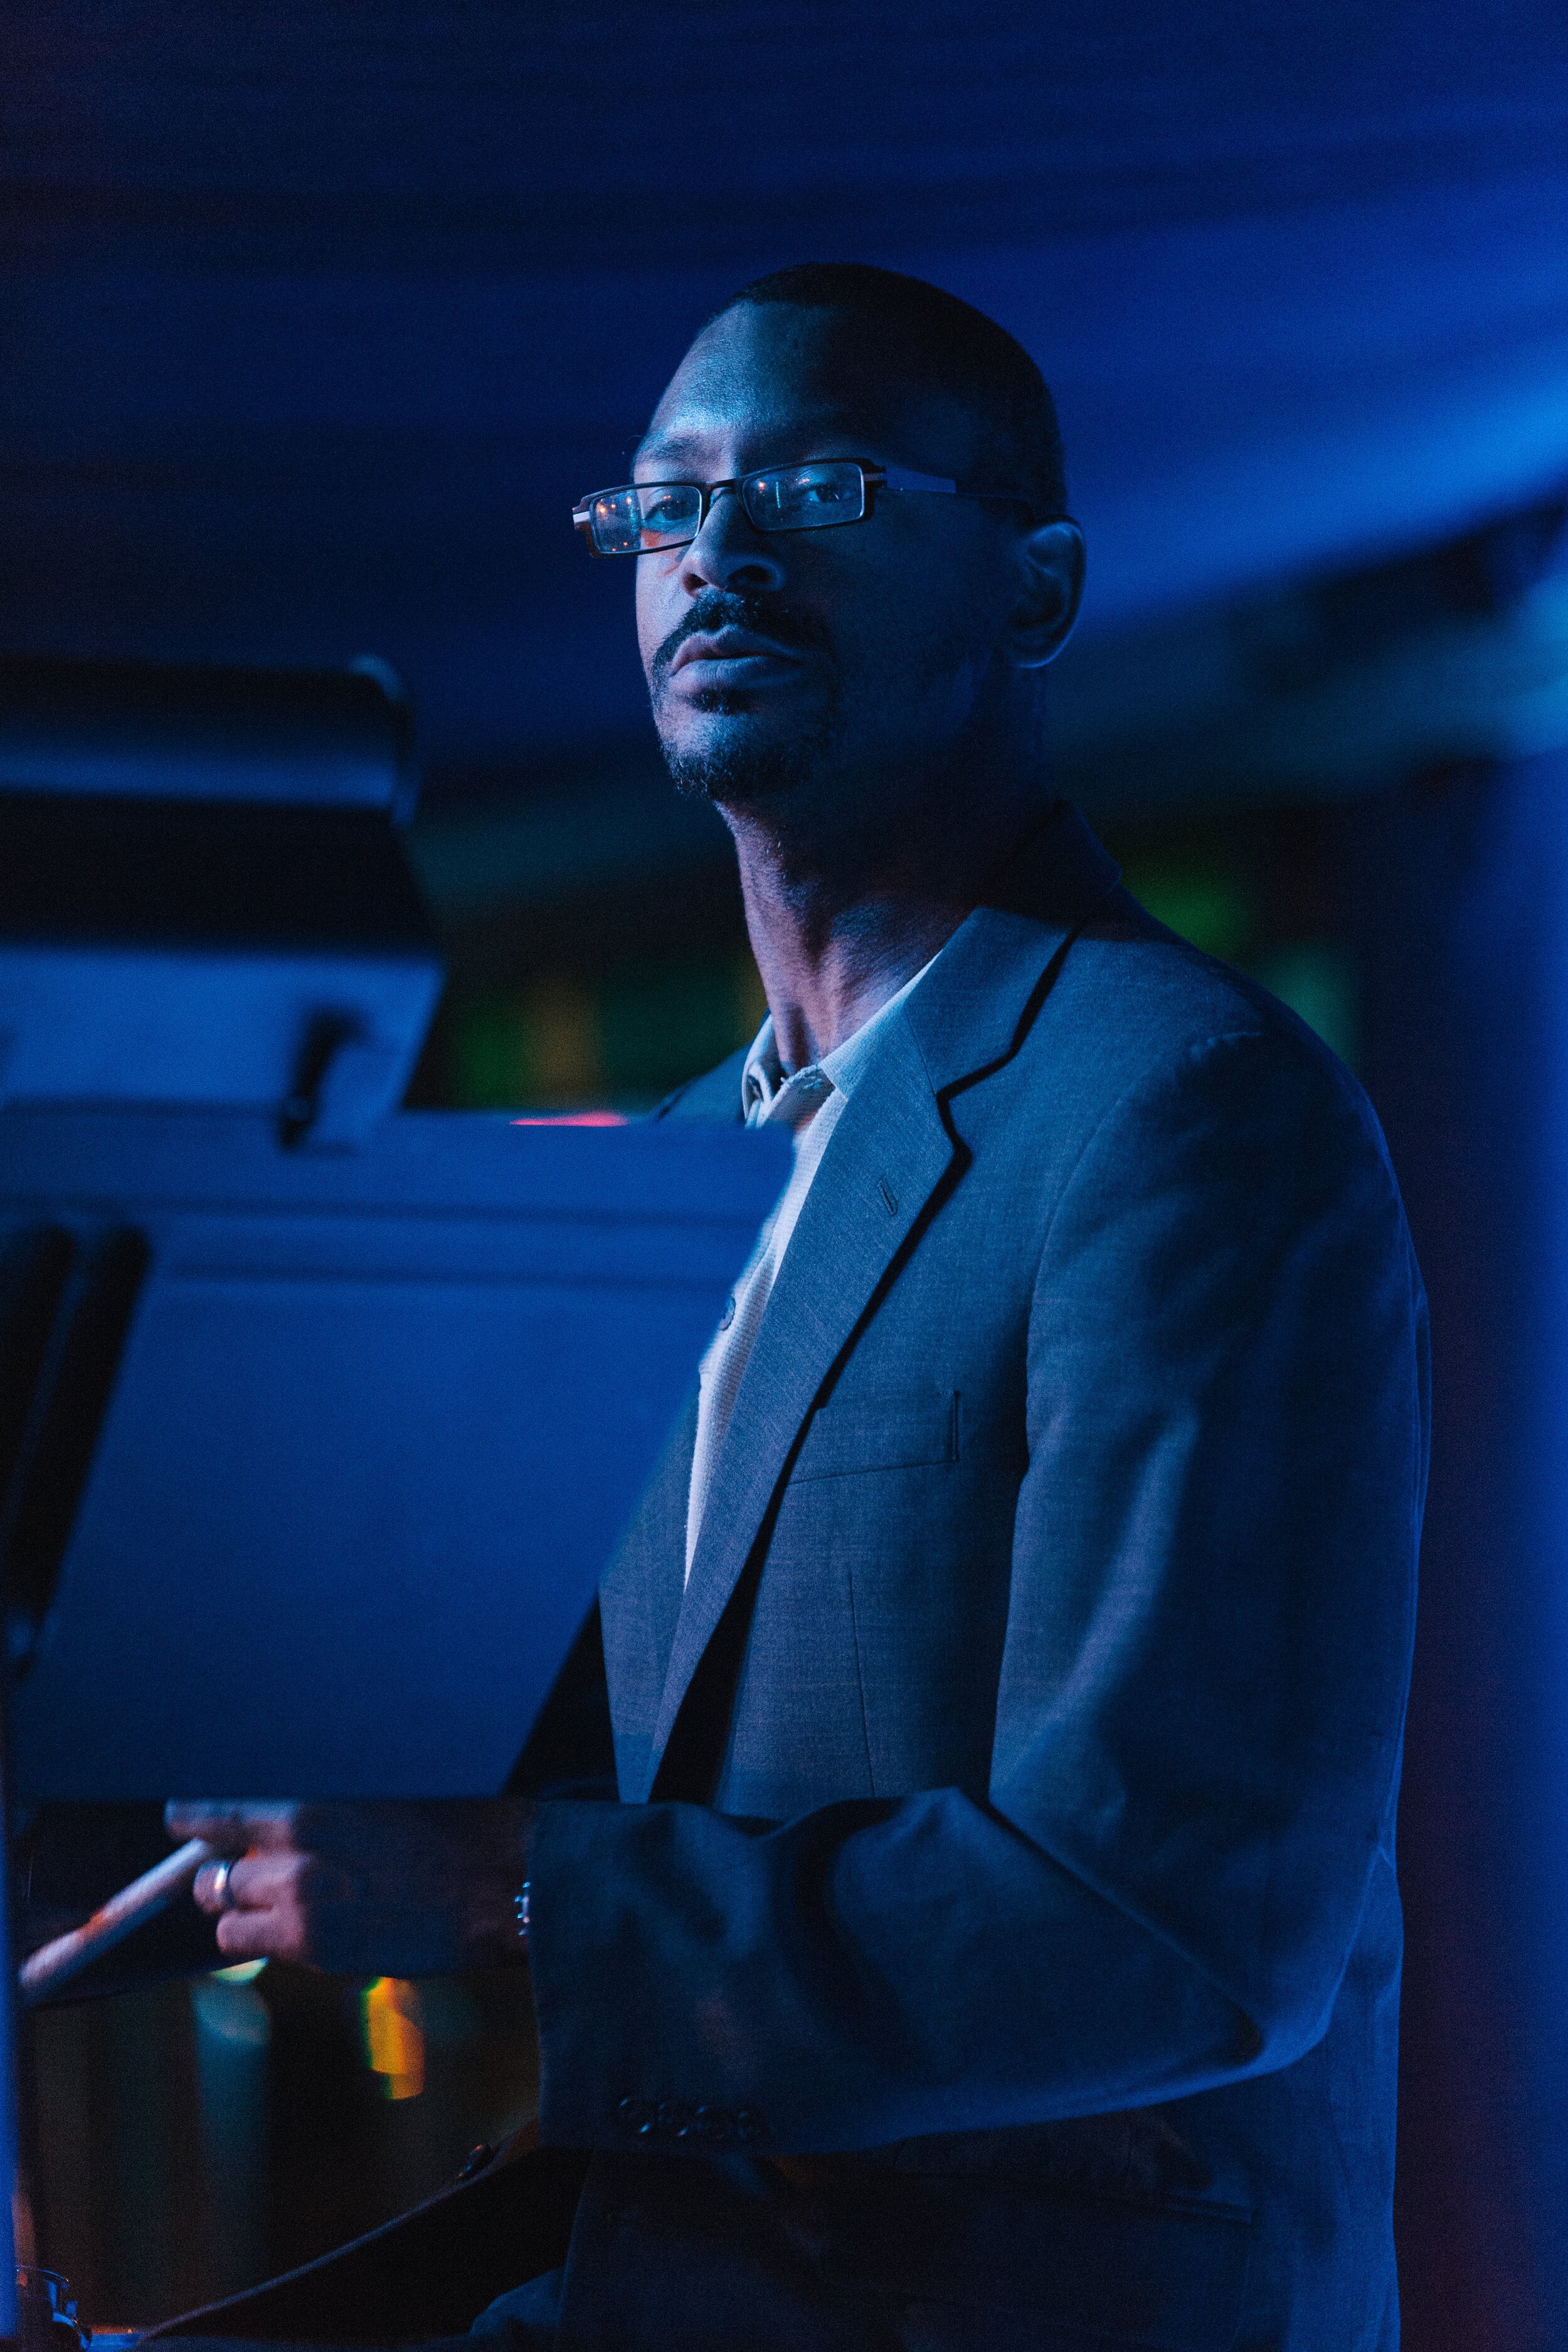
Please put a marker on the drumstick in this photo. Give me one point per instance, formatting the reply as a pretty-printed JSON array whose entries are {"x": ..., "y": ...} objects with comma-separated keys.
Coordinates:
[{"x": 145, "y": 1896}]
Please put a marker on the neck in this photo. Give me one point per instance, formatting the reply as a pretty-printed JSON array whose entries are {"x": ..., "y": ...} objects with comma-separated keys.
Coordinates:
[{"x": 841, "y": 916}]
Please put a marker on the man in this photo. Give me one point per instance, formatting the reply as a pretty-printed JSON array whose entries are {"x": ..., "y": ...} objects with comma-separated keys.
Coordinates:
[{"x": 995, "y": 1942}]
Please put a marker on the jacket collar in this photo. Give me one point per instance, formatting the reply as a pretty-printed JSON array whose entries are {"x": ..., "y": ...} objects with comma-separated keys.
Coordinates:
[
  {"x": 893, "y": 1153},
  {"x": 972, "y": 1013}
]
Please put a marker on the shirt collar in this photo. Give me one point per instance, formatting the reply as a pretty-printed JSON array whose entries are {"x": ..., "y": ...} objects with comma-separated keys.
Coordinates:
[{"x": 763, "y": 1078}]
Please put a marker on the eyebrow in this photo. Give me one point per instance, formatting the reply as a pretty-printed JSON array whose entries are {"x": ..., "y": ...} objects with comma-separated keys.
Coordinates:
[{"x": 672, "y": 449}]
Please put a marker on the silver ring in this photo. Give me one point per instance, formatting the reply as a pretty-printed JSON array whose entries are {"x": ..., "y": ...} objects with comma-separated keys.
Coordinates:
[{"x": 219, "y": 1889}]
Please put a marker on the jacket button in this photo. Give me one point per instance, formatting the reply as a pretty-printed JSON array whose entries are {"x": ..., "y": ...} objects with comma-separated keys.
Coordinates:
[{"x": 750, "y": 2125}]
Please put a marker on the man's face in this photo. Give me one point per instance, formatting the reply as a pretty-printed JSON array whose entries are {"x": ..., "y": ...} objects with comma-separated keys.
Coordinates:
[{"x": 780, "y": 661}]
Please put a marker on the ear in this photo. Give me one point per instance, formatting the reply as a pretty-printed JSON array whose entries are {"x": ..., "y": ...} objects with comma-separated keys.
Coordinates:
[{"x": 1050, "y": 566}]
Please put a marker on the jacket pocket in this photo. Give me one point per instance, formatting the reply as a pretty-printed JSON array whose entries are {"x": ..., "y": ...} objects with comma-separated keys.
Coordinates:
[{"x": 890, "y": 1429}]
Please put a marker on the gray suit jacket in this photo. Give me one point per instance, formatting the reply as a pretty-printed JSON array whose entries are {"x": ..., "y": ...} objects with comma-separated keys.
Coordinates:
[{"x": 996, "y": 1941}]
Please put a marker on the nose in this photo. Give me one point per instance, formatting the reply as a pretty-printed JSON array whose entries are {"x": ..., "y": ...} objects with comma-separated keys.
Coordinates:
[{"x": 728, "y": 552}]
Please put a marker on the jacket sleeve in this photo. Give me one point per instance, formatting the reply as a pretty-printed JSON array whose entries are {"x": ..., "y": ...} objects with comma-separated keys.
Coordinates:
[{"x": 1200, "y": 1708}]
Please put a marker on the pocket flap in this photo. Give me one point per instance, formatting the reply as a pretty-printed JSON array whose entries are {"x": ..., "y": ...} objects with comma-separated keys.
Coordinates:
[{"x": 888, "y": 1430}]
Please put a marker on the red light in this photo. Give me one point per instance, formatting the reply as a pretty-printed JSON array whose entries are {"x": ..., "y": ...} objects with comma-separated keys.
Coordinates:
[{"x": 577, "y": 1118}]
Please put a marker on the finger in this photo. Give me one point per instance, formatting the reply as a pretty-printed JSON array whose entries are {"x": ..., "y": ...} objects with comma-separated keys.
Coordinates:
[
  {"x": 231, "y": 1827},
  {"x": 272, "y": 1882},
  {"x": 257, "y": 1881},
  {"x": 220, "y": 1887},
  {"x": 236, "y": 1885},
  {"x": 259, "y": 1935}
]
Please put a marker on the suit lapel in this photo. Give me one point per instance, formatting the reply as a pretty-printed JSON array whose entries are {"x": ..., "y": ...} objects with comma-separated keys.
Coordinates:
[
  {"x": 639, "y": 1604},
  {"x": 889, "y": 1151},
  {"x": 890, "y": 1154}
]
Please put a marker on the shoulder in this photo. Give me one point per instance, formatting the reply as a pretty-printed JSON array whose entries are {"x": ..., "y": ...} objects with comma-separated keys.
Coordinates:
[
  {"x": 1136, "y": 1009},
  {"x": 1150, "y": 1069},
  {"x": 714, "y": 1097},
  {"x": 1218, "y": 1170}
]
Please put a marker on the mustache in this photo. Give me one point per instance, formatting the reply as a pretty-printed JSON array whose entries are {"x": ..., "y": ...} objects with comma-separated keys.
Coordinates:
[{"x": 718, "y": 608}]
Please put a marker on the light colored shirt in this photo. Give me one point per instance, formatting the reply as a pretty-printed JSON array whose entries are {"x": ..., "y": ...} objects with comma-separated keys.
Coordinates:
[{"x": 810, "y": 1103}]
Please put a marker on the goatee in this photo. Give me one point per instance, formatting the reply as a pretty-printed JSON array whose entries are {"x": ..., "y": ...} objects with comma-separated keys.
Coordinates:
[
  {"x": 732, "y": 768},
  {"x": 735, "y": 772}
]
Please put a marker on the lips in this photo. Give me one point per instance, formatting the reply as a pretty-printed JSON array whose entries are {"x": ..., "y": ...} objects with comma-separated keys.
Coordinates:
[{"x": 723, "y": 646}]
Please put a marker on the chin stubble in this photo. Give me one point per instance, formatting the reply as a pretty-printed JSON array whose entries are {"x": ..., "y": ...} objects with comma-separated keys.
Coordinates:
[{"x": 733, "y": 768}]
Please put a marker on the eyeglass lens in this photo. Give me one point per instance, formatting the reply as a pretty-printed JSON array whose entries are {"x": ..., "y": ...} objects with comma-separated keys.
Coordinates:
[
  {"x": 805, "y": 497},
  {"x": 641, "y": 517}
]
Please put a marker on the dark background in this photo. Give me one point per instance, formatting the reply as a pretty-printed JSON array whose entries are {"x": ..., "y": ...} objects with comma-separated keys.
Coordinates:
[{"x": 315, "y": 319}]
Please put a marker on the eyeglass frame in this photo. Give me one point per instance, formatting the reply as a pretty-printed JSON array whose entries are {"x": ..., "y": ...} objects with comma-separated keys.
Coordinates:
[{"x": 900, "y": 480}]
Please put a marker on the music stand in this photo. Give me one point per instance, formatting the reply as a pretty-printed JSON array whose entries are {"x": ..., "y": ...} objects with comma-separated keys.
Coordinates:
[
  {"x": 325, "y": 1452},
  {"x": 317, "y": 1420}
]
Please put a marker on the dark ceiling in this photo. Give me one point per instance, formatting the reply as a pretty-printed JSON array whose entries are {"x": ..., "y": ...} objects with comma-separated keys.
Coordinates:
[{"x": 317, "y": 317}]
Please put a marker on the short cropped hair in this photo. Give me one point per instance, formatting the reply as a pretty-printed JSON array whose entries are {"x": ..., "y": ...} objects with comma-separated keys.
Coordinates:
[{"x": 940, "y": 345}]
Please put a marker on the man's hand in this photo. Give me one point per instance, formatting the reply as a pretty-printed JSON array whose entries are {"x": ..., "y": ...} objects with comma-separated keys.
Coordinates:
[{"x": 397, "y": 1890}]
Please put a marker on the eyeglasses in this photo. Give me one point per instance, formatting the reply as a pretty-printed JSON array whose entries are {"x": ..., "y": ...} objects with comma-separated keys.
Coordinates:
[{"x": 642, "y": 516}]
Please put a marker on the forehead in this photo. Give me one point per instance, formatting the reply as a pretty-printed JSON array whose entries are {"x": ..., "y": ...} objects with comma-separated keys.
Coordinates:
[{"x": 765, "y": 373}]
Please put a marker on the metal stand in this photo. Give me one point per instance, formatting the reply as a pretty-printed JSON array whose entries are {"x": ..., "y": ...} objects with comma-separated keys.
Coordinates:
[{"x": 10, "y": 2076}]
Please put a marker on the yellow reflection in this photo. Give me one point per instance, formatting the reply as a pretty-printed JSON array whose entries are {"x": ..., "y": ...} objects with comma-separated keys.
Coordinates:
[{"x": 394, "y": 2036}]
